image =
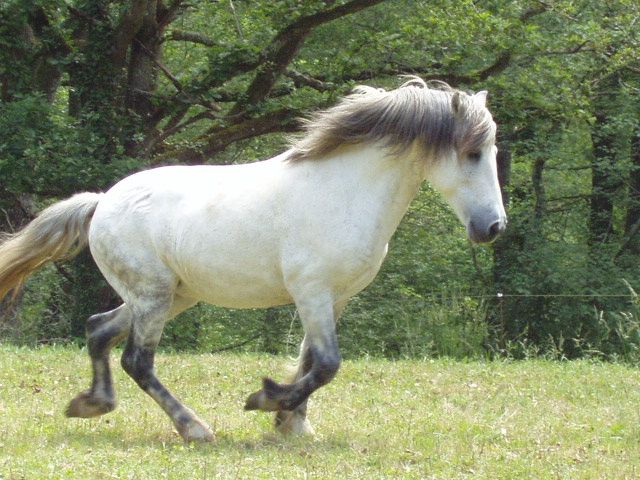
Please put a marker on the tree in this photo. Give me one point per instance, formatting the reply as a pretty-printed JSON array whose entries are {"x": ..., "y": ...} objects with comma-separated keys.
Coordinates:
[
  {"x": 92, "y": 90},
  {"x": 570, "y": 138}
]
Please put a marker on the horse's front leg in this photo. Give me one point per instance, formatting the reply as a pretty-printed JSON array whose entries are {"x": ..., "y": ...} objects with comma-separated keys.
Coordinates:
[
  {"x": 295, "y": 422},
  {"x": 321, "y": 357}
]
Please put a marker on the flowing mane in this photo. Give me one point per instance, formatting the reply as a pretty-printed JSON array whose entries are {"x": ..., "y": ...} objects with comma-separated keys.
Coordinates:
[{"x": 435, "y": 116}]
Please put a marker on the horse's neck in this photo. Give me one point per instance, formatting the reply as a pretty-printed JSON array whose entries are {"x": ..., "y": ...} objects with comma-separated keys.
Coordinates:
[
  {"x": 406, "y": 175},
  {"x": 384, "y": 184}
]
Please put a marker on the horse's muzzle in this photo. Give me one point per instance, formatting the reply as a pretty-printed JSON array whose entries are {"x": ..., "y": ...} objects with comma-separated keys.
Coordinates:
[{"x": 486, "y": 232}]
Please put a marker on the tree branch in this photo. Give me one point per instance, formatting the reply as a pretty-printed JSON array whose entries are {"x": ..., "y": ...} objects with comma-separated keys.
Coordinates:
[
  {"x": 168, "y": 14},
  {"x": 176, "y": 83},
  {"x": 632, "y": 233},
  {"x": 304, "y": 80},
  {"x": 174, "y": 126},
  {"x": 283, "y": 48},
  {"x": 500, "y": 64},
  {"x": 127, "y": 29},
  {"x": 534, "y": 11},
  {"x": 220, "y": 138},
  {"x": 193, "y": 37},
  {"x": 235, "y": 16}
]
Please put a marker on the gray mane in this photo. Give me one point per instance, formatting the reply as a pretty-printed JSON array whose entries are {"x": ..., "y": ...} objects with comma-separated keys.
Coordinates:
[{"x": 435, "y": 116}]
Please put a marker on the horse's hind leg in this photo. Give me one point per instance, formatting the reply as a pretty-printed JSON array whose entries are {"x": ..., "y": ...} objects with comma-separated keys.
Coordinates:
[
  {"x": 104, "y": 331},
  {"x": 138, "y": 362},
  {"x": 295, "y": 421}
]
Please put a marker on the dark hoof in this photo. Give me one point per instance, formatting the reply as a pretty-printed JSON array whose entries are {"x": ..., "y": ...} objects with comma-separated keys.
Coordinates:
[
  {"x": 255, "y": 401},
  {"x": 196, "y": 431},
  {"x": 87, "y": 406},
  {"x": 267, "y": 399}
]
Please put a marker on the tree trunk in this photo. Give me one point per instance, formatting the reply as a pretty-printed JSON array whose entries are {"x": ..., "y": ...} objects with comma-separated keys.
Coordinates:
[
  {"x": 142, "y": 75},
  {"x": 502, "y": 249},
  {"x": 603, "y": 183},
  {"x": 539, "y": 190},
  {"x": 605, "y": 180},
  {"x": 632, "y": 218}
]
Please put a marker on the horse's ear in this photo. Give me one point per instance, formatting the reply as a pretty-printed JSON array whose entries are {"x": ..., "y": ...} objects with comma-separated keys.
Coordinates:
[
  {"x": 481, "y": 98},
  {"x": 456, "y": 102},
  {"x": 364, "y": 89},
  {"x": 413, "y": 81}
]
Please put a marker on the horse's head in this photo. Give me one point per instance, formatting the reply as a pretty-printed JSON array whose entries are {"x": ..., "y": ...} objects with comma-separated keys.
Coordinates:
[
  {"x": 453, "y": 129},
  {"x": 467, "y": 173}
]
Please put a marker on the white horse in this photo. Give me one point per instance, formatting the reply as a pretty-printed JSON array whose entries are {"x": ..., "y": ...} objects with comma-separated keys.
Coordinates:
[{"x": 309, "y": 227}]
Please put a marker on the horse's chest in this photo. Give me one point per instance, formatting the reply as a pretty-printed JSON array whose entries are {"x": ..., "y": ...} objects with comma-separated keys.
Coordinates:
[{"x": 364, "y": 270}]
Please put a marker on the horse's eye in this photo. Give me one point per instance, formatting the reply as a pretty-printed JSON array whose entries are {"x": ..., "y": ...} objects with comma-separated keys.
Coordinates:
[{"x": 475, "y": 156}]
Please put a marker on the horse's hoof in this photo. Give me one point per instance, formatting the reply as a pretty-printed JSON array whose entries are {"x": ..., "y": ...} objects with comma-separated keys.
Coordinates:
[
  {"x": 255, "y": 401},
  {"x": 265, "y": 399},
  {"x": 196, "y": 431},
  {"x": 87, "y": 406},
  {"x": 293, "y": 424}
]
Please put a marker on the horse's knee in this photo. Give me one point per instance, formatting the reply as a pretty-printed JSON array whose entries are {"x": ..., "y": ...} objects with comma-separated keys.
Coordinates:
[
  {"x": 100, "y": 341},
  {"x": 94, "y": 322},
  {"x": 105, "y": 330},
  {"x": 325, "y": 365},
  {"x": 138, "y": 363}
]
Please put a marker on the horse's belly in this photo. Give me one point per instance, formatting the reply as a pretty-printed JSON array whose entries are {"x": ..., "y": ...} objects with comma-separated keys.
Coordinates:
[
  {"x": 235, "y": 289},
  {"x": 238, "y": 298}
]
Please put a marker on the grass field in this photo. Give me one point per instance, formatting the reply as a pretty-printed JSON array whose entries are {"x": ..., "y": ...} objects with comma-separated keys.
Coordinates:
[{"x": 408, "y": 419}]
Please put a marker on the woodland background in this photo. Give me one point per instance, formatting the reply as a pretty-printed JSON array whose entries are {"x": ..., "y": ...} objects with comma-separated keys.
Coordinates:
[{"x": 92, "y": 90}]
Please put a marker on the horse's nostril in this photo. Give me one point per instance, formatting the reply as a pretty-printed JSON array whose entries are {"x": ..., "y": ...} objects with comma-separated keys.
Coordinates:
[
  {"x": 486, "y": 234},
  {"x": 496, "y": 228}
]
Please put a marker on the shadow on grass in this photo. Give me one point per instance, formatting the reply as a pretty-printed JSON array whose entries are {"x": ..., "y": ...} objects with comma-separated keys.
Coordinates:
[{"x": 225, "y": 442}]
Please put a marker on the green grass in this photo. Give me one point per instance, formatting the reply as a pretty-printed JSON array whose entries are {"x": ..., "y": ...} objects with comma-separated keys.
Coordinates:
[{"x": 408, "y": 419}]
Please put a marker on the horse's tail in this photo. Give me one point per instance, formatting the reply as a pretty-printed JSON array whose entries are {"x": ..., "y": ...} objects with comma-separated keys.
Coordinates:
[{"x": 58, "y": 233}]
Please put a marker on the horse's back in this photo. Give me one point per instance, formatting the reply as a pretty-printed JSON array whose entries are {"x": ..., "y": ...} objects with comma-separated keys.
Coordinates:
[{"x": 213, "y": 228}]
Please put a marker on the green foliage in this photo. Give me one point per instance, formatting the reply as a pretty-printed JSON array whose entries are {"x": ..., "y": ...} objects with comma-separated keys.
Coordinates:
[
  {"x": 37, "y": 322},
  {"x": 44, "y": 152},
  {"x": 30, "y": 139},
  {"x": 563, "y": 81},
  {"x": 408, "y": 326},
  {"x": 206, "y": 328}
]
